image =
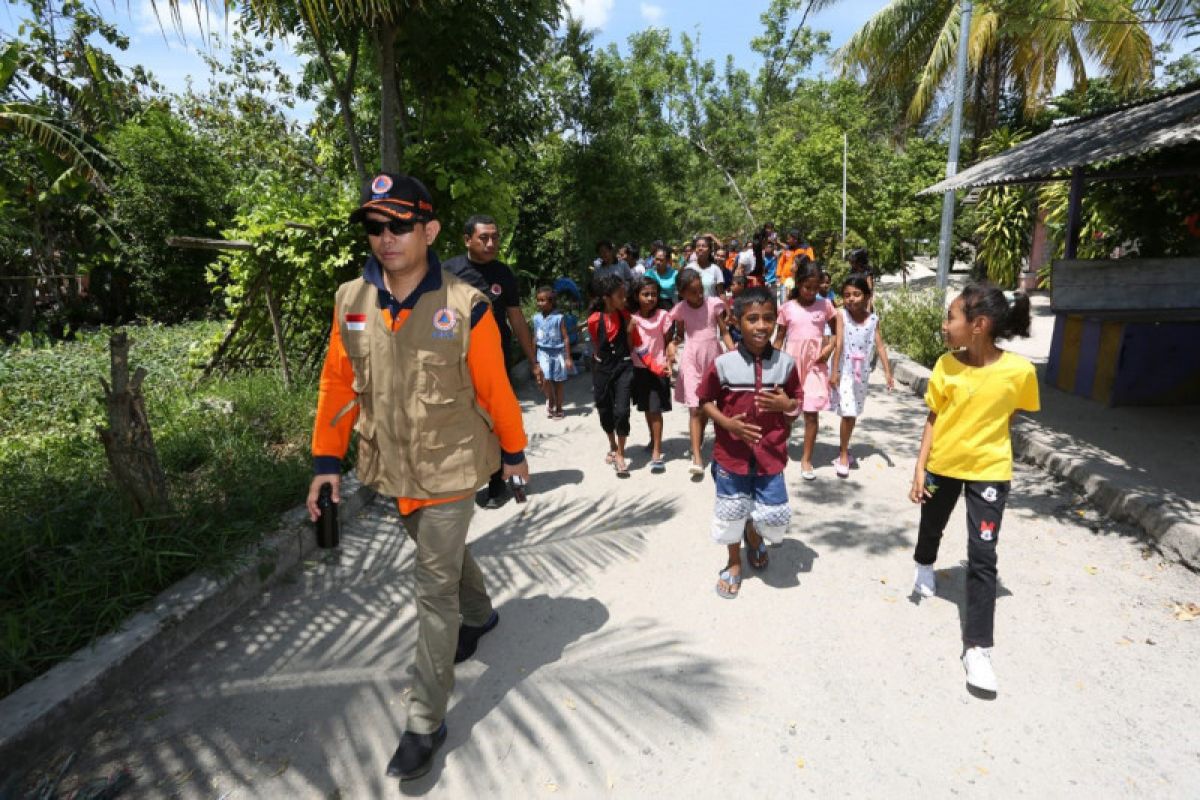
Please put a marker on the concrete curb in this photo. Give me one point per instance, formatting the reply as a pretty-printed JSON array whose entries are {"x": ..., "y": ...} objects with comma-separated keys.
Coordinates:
[
  {"x": 38, "y": 716},
  {"x": 1176, "y": 535}
]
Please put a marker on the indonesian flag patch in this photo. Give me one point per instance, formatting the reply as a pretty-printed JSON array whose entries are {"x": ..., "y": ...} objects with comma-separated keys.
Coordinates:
[{"x": 356, "y": 322}]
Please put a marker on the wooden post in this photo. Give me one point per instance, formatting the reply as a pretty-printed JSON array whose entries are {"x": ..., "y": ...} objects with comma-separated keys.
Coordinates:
[
  {"x": 128, "y": 440},
  {"x": 1074, "y": 209},
  {"x": 273, "y": 310}
]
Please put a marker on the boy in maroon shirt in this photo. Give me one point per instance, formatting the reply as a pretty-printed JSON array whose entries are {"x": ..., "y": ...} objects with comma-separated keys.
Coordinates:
[{"x": 752, "y": 394}]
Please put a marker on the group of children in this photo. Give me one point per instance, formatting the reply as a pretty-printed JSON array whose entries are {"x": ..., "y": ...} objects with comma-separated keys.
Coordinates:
[
  {"x": 640, "y": 338},
  {"x": 754, "y": 367}
]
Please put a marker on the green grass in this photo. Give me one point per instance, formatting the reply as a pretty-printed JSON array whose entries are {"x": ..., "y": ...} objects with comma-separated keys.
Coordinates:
[{"x": 76, "y": 562}]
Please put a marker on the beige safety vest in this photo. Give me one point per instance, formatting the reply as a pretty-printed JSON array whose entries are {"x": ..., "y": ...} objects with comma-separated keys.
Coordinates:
[{"x": 421, "y": 433}]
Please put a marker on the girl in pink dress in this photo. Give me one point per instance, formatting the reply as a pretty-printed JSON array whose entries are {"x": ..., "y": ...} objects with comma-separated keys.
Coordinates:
[
  {"x": 651, "y": 375},
  {"x": 801, "y": 333},
  {"x": 702, "y": 320}
]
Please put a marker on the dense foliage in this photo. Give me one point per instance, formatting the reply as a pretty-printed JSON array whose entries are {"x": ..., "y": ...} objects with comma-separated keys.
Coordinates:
[
  {"x": 235, "y": 452},
  {"x": 912, "y": 322}
]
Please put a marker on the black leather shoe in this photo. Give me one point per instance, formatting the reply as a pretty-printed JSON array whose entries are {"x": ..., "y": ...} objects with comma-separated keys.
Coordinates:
[
  {"x": 469, "y": 636},
  {"x": 414, "y": 755}
]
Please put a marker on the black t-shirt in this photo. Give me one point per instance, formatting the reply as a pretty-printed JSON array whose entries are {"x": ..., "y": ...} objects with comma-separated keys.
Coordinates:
[{"x": 496, "y": 281}]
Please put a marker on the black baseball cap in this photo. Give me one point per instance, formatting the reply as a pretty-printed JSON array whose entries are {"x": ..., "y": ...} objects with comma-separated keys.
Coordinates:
[{"x": 401, "y": 197}]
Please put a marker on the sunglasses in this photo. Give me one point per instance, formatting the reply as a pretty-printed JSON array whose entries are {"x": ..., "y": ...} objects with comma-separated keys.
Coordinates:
[{"x": 374, "y": 227}]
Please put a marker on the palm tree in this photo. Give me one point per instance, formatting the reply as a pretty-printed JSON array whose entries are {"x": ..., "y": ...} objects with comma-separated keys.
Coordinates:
[
  {"x": 907, "y": 50},
  {"x": 49, "y": 134}
]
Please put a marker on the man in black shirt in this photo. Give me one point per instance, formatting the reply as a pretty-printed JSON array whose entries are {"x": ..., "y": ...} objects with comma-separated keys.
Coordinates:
[{"x": 480, "y": 268}]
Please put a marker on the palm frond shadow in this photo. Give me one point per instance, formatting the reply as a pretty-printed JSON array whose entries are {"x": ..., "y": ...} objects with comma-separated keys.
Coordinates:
[
  {"x": 557, "y": 540},
  {"x": 846, "y": 533},
  {"x": 603, "y": 690},
  {"x": 322, "y": 661}
]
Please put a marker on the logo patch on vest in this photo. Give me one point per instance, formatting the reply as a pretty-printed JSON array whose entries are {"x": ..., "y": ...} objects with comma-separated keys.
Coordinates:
[
  {"x": 444, "y": 322},
  {"x": 356, "y": 322}
]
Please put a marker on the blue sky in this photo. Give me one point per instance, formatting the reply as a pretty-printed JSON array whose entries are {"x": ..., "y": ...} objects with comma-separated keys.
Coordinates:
[{"x": 724, "y": 28}]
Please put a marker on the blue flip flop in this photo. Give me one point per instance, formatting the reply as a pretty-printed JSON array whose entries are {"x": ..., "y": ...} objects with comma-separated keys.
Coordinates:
[
  {"x": 734, "y": 581},
  {"x": 759, "y": 553}
]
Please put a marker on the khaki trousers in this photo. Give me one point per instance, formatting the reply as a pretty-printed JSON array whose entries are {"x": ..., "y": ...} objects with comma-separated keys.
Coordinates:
[{"x": 449, "y": 583}]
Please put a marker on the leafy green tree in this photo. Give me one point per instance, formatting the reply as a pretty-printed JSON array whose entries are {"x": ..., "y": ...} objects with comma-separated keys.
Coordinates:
[
  {"x": 60, "y": 90},
  {"x": 170, "y": 182}
]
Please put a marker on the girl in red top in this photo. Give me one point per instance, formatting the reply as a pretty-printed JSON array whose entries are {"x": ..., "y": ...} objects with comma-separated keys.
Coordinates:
[{"x": 612, "y": 367}]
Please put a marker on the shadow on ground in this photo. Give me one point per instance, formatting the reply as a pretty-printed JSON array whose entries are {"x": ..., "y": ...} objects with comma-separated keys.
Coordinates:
[{"x": 303, "y": 692}]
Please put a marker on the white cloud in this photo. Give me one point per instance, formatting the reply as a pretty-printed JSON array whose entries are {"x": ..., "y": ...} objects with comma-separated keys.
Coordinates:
[
  {"x": 592, "y": 13},
  {"x": 652, "y": 13}
]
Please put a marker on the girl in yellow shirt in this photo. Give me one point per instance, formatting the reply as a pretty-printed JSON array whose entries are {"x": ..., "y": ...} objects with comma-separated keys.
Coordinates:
[{"x": 973, "y": 393}]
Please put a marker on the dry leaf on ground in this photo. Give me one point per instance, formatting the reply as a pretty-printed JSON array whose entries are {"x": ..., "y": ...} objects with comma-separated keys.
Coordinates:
[{"x": 1186, "y": 612}]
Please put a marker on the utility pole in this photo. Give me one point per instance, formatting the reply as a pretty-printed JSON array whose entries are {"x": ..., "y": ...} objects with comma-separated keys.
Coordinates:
[
  {"x": 845, "y": 156},
  {"x": 945, "y": 241}
]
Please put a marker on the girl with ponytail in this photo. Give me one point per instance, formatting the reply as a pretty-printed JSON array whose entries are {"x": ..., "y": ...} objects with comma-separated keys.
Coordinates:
[{"x": 973, "y": 393}]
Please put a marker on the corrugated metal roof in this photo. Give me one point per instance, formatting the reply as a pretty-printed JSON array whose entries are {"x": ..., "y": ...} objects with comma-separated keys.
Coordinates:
[{"x": 1168, "y": 121}]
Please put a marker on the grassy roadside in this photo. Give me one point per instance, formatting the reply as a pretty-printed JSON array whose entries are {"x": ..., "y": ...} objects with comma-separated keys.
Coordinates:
[{"x": 76, "y": 563}]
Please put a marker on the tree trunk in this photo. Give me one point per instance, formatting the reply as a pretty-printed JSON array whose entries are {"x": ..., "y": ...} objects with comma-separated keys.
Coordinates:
[
  {"x": 979, "y": 110},
  {"x": 28, "y": 304},
  {"x": 344, "y": 91},
  {"x": 128, "y": 440},
  {"x": 389, "y": 144}
]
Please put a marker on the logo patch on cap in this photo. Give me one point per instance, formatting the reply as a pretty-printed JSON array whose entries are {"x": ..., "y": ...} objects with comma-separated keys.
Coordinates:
[
  {"x": 444, "y": 322},
  {"x": 381, "y": 185}
]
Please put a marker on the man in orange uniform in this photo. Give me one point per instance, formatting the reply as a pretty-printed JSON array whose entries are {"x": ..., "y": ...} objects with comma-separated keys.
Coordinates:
[
  {"x": 415, "y": 366},
  {"x": 787, "y": 259}
]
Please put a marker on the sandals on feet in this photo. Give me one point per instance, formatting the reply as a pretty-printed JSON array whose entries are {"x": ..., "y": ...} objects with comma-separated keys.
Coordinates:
[
  {"x": 622, "y": 467},
  {"x": 611, "y": 458},
  {"x": 808, "y": 474},
  {"x": 732, "y": 584},
  {"x": 842, "y": 470},
  {"x": 658, "y": 466},
  {"x": 757, "y": 556},
  {"x": 696, "y": 470}
]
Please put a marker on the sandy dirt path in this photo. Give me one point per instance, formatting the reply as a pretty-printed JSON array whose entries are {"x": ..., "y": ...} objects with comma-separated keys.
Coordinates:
[{"x": 617, "y": 671}]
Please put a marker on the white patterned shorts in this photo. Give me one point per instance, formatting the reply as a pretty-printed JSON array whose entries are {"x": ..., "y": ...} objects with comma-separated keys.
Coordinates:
[{"x": 761, "y": 498}]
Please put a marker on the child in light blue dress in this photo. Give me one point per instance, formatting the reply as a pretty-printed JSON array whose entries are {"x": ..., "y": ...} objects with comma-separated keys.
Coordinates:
[{"x": 553, "y": 354}]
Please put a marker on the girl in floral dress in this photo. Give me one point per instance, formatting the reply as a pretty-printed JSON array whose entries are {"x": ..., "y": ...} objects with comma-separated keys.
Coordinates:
[{"x": 858, "y": 334}]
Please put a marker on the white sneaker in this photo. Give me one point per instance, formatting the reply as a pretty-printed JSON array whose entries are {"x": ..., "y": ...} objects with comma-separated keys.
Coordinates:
[
  {"x": 925, "y": 583},
  {"x": 978, "y": 663}
]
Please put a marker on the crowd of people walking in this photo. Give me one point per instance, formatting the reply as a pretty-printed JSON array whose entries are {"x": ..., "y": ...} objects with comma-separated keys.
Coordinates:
[
  {"x": 757, "y": 338},
  {"x": 754, "y": 337}
]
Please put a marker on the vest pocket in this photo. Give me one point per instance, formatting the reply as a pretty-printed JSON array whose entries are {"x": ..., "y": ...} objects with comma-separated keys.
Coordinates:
[
  {"x": 441, "y": 380},
  {"x": 451, "y": 457}
]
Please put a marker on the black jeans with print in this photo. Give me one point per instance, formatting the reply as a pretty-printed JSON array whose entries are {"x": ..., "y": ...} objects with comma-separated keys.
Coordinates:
[{"x": 985, "y": 512}]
